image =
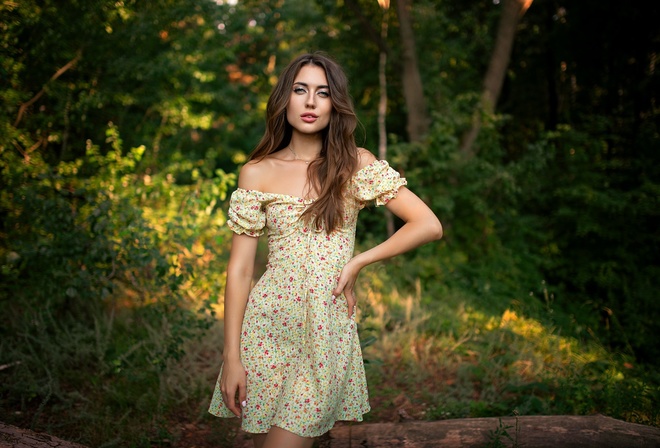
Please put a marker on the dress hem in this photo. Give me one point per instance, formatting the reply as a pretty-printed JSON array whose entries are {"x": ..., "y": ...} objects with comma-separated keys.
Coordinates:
[{"x": 297, "y": 431}]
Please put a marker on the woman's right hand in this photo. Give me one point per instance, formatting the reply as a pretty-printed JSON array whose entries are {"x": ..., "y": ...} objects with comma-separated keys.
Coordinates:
[{"x": 233, "y": 382}]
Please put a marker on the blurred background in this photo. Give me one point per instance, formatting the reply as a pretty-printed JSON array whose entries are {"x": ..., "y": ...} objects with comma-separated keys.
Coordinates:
[{"x": 531, "y": 127}]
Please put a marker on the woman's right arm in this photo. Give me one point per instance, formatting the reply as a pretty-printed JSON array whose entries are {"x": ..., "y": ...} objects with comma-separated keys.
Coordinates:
[{"x": 239, "y": 281}]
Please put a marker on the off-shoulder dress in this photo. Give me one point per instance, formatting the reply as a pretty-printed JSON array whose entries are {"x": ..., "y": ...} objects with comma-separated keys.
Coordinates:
[{"x": 299, "y": 347}]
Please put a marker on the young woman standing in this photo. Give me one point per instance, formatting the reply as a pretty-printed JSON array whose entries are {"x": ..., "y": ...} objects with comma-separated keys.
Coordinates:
[{"x": 292, "y": 359}]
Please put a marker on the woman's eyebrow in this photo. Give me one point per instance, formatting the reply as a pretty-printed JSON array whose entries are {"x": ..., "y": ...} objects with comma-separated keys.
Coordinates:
[{"x": 304, "y": 84}]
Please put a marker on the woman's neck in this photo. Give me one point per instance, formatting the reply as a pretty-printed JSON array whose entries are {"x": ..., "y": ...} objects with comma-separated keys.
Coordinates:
[{"x": 305, "y": 147}]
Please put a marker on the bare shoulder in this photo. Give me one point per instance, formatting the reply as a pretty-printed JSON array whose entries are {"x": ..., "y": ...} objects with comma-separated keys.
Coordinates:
[
  {"x": 365, "y": 157},
  {"x": 251, "y": 174}
]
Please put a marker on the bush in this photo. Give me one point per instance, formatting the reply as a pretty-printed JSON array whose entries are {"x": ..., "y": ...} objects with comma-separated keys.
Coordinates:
[{"x": 106, "y": 275}]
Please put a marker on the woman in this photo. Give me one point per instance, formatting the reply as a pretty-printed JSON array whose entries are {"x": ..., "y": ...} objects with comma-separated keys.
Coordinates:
[{"x": 292, "y": 359}]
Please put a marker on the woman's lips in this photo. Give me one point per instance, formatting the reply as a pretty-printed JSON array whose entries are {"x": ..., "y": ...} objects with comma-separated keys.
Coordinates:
[{"x": 309, "y": 118}]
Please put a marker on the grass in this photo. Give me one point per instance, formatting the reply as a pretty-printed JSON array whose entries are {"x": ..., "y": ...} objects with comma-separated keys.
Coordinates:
[
  {"x": 449, "y": 356},
  {"x": 108, "y": 384}
]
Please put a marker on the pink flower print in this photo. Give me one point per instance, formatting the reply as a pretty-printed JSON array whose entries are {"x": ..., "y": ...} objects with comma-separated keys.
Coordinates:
[{"x": 300, "y": 259}]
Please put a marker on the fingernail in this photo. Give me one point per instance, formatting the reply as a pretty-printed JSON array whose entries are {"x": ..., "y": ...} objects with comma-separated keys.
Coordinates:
[
  {"x": 333, "y": 297},
  {"x": 243, "y": 403}
]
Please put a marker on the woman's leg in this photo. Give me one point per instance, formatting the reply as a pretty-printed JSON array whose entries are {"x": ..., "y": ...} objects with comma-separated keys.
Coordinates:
[
  {"x": 259, "y": 440},
  {"x": 281, "y": 438}
]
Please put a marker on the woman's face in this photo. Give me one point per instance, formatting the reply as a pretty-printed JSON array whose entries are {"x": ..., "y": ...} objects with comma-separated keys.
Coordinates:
[{"x": 310, "y": 105}]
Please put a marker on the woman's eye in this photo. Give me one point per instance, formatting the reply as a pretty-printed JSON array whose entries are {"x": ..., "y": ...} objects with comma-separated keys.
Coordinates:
[
  {"x": 298, "y": 90},
  {"x": 324, "y": 94}
]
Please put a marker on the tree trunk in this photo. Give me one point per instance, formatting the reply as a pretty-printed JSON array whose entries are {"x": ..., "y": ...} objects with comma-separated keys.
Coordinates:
[
  {"x": 418, "y": 120},
  {"x": 382, "y": 108},
  {"x": 513, "y": 10}
]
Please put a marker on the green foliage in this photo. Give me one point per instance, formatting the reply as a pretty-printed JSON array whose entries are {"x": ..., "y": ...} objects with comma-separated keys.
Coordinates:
[
  {"x": 540, "y": 298},
  {"x": 526, "y": 234},
  {"x": 106, "y": 276},
  {"x": 569, "y": 222},
  {"x": 497, "y": 436},
  {"x": 598, "y": 236}
]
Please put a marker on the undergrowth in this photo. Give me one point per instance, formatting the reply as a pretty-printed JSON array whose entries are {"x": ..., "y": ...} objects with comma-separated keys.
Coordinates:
[
  {"x": 110, "y": 279},
  {"x": 440, "y": 353}
]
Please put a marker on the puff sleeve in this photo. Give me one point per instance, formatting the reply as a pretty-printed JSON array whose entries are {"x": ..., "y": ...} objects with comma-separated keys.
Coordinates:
[
  {"x": 377, "y": 182},
  {"x": 246, "y": 213}
]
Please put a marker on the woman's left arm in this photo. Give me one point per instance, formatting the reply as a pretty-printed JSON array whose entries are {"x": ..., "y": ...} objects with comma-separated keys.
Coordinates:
[{"x": 421, "y": 226}]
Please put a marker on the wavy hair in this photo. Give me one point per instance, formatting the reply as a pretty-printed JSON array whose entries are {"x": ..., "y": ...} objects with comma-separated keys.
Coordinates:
[{"x": 330, "y": 173}]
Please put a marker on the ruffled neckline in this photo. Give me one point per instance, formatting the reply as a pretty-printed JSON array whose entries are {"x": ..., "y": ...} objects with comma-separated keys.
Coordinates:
[{"x": 309, "y": 200}]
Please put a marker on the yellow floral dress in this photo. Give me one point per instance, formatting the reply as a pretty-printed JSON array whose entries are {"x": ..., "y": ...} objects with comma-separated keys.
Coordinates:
[{"x": 299, "y": 347}]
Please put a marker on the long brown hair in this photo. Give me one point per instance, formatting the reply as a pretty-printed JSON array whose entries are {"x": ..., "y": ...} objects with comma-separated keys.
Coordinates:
[{"x": 338, "y": 160}]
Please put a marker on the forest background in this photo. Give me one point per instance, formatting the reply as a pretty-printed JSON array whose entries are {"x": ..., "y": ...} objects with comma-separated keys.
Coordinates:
[{"x": 530, "y": 127}]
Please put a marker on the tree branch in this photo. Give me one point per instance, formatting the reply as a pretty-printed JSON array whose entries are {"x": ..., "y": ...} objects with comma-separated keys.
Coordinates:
[{"x": 35, "y": 98}]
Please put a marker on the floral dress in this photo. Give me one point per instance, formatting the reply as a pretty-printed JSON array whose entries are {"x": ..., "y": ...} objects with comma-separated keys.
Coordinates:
[{"x": 299, "y": 347}]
